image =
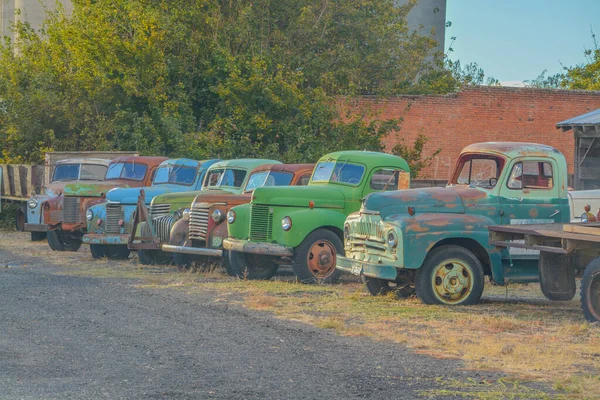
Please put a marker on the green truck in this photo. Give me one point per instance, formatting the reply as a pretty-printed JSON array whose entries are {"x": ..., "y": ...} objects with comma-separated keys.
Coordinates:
[
  {"x": 303, "y": 226},
  {"x": 436, "y": 240}
]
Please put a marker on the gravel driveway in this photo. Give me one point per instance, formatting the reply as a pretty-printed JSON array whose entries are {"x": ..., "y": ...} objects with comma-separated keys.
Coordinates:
[{"x": 65, "y": 337}]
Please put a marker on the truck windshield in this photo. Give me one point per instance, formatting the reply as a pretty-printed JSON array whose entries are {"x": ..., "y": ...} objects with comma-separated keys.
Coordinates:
[
  {"x": 129, "y": 170},
  {"x": 66, "y": 172},
  {"x": 225, "y": 177},
  {"x": 176, "y": 174},
  {"x": 338, "y": 171},
  {"x": 268, "y": 178},
  {"x": 479, "y": 170}
]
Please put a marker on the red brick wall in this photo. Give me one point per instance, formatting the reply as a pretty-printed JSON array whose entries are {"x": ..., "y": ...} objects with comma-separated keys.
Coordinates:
[{"x": 481, "y": 114}]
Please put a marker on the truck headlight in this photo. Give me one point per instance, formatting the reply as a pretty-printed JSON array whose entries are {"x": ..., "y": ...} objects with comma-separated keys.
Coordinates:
[
  {"x": 286, "y": 223},
  {"x": 347, "y": 231},
  {"x": 217, "y": 216},
  {"x": 32, "y": 203},
  {"x": 185, "y": 214},
  {"x": 392, "y": 239},
  {"x": 89, "y": 214},
  {"x": 584, "y": 218},
  {"x": 231, "y": 217}
]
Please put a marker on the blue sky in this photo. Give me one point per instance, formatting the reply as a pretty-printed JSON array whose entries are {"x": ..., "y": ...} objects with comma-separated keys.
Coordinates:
[{"x": 515, "y": 40}]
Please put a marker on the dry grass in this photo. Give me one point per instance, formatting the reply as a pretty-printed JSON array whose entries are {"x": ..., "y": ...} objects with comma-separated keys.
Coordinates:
[{"x": 514, "y": 330}]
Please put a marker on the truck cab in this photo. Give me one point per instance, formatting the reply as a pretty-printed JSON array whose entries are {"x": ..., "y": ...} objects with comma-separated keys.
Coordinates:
[
  {"x": 436, "y": 240},
  {"x": 65, "y": 171},
  {"x": 303, "y": 225},
  {"x": 109, "y": 224},
  {"x": 66, "y": 215}
]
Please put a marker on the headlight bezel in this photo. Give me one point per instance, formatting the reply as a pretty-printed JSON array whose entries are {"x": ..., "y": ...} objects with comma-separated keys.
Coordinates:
[
  {"x": 217, "y": 216},
  {"x": 286, "y": 223},
  {"x": 33, "y": 201},
  {"x": 584, "y": 218},
  {"x": 392, "y": 239},
  {"x": 89, "y": 214},
  {"x": 231, "y": 216}
]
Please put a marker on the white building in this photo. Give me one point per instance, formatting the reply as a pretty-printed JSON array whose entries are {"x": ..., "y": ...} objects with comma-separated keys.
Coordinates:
[{"x": 32, "y": 11}]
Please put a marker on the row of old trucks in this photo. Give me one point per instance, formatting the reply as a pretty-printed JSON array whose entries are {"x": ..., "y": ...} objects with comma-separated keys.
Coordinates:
[{"x": 351, "y": 212}]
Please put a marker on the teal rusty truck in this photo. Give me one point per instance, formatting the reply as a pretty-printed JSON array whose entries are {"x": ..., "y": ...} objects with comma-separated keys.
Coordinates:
[{"x": 436, "y": 240}]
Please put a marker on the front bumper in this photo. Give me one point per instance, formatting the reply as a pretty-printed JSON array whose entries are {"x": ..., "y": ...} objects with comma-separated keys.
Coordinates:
[
  {"x": 100, "y": 238},
  {"x": 199, "y": 251},
  {"x": 372, "y": 270},
  {"x": 267, "y": 249},
  {"x": 36, "y": 228}
]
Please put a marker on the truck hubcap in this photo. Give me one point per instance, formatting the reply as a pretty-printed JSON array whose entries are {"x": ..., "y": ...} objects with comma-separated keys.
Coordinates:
[
  {"x": 321, "y": 258},
  {"x": 452, "y": 281}
]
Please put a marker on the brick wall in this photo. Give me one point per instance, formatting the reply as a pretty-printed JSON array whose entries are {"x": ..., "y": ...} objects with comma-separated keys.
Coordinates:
[{"x": 484, "y": 113}]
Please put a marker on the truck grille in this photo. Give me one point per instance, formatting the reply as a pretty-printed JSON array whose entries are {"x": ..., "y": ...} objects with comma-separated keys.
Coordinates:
[
  {"x": 162, "y": 227},
  {"x": 114, "y": 213},
  {"x": 199, "y": 221},
  {"x": 369, "y": 229},
  {"x": 261, "y": 223},
  {"x": 159, "y": 210},
  {"x": 71, "y": 212}
]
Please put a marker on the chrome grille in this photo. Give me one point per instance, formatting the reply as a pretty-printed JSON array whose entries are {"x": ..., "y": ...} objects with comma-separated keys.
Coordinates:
[
  {"x": 71, "y": 213},
  {"x": 159, "y": 210},
  {"x": 369, "y": 229},
  {"x": 261, "y": 223},
  {"x": 199, "y": 221},
  {"x": 114, "y": 213},
  {"x": 162, "y": 227}
]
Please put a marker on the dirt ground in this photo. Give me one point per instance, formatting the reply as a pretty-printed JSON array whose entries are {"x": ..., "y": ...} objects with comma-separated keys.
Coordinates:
[{"x": 74, "y": 327}]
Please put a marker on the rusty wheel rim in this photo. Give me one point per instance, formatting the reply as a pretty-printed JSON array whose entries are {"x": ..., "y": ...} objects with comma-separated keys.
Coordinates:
[
  {"x": 321, "y": 258},
  {"x": 593, "y": 298},
  {"x": 452, "y": 281}
]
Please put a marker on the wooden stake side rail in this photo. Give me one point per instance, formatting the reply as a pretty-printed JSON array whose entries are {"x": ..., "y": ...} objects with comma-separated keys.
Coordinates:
[{"x": 552, "y": 238}]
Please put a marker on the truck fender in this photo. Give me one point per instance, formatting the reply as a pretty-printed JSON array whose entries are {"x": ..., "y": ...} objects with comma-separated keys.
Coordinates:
[
  {"x": 179, "y": 232},
  {"x": 307, "y": 220}
]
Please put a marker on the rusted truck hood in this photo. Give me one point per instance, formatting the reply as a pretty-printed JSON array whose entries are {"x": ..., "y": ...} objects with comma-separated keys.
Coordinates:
[
  {"x": 430, "y": 200},
  {"x": 229, "y": 198},
  {"x": 55, "y": 189},
  {"x": 94, "y": 189},
  {"x": 127, "y": 195},
  {"x": 300, "y": 196}
]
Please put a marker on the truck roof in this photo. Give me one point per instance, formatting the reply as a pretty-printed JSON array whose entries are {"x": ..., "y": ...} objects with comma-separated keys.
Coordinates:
[
  {"x": 514, "y": 149},
  {"x": 367, "y": 157},
  {"x": 247, "y": 163},
  {"x": 101, "y": 161},
  {"x": 141, "y": 159},
  {"x": 294, "y": 168},
  {"x": 188, "y": 162}
]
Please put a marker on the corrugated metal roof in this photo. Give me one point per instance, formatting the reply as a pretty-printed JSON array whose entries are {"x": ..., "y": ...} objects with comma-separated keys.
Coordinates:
[{"x": 591, "y": 118}]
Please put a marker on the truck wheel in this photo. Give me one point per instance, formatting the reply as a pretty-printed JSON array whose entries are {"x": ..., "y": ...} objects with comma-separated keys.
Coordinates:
[
  {"x": 117, "y": 252},
  {"x": 153, "y": 257},
  {"x": 97, "y": 250},
  {"x": 20, "y": 220},
  {"x": 61, "y": 241},
  {"x": 590, "y": 291},
  {"x": 382, "y": 287},
  {"x": 557, "y": 276},
  {"x": 251, "y": 266},
  {"x": 315, "y": 258},
  {"x": 38, "y": 236},
  {"x": 450, "y": 275}
]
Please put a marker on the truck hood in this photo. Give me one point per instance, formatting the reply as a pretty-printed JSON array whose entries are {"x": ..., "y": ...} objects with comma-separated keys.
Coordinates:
[
  {"x": 93, "y": 189},
  {"x": 229, "y": 198},
  {"x": 130, "y": 195},
  {"x": 430, "y": 200},
  {"x": 300, "y": 196},
  {"x": 55, "y": 189}
]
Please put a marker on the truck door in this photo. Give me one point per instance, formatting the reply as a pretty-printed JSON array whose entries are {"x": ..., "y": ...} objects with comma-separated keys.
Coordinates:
[{"x": 531, "y": 193}]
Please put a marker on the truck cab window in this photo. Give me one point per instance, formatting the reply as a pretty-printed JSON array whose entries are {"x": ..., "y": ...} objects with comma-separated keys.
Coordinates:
[{"x": 531, "y": 175}]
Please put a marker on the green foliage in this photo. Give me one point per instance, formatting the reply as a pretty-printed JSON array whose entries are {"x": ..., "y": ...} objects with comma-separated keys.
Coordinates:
[
  {"x": 585, "y": 76},
  {"x": 414, "y": 154},
  {"x": 8, "y": 214},
  {"x": 207, "y": 78},
  {"x": 544, "y": 81}
]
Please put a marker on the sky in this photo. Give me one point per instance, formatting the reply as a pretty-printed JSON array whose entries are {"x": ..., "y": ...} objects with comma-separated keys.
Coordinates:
[{"x": 515, "y": 40}]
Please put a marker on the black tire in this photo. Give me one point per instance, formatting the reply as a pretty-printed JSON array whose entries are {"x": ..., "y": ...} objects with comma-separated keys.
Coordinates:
[
  {"x": 383, "y": 287},
  {"x": 590, "y": 291},
  {"x": 462, "y": 270},
  {"x": 20, "y": 219},
  {"x": 61, "y": 241},
  {"x": 153, "y": 257},
  {"x": 251, "y": 266},
  {"x": 314, "y": 259},
  {"x": 97, "y": 250},
  {"x": 38, "y": 236},
  {"x": 116, "y": 252}
]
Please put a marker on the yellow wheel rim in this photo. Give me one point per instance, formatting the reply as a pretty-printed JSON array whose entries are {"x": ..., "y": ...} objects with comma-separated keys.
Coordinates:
[{"x": 452, "y": 281}]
